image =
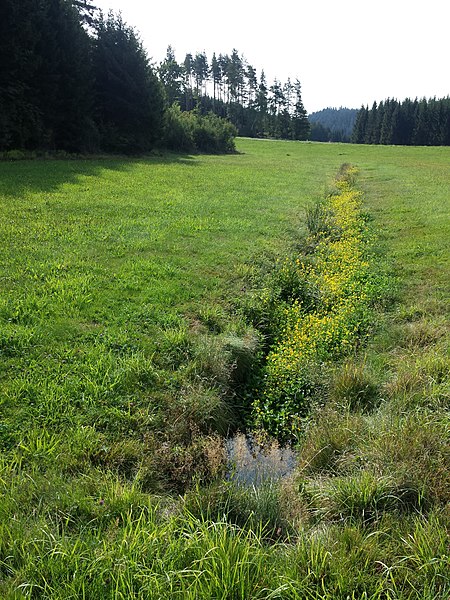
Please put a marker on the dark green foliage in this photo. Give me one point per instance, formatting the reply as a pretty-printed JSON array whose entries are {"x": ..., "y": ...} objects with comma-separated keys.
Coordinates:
[
  {"x": 254, "y": 108},
  {"x": 360, "y": 125},
  {"x": 75, "y": 81},
  {"x": 213, "y": 134},
  {"x": 319, "y": 133},
  {"x": 130, "y": 102},
  {"x": 171, "y": 75},
  {"x": 193, "y": 132},
  {"x": 46, "y": 78},
  {"x": 178, "y": 132},
  {"x": 332, "y": 124},
  {"x": 300, "y": 123},
  {"x": 409, "y": 123},
  {"x": 17, "y": 71},
  {"x": 86, "y": 11}
]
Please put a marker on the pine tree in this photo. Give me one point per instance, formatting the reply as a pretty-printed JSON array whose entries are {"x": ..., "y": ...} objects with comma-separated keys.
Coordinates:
[
  {"x": 277, "y": 101},
  {"x": 216, "y": 75},
  {"x": 200, "y": 69},
  {"x": 252, "y": 83},
  {"x": 288, "y": 91},
  {"x": 261, "y": 100},
  {"x": 223, "y": 61},
  {"x": 188, "y": 91},
  {"x": 235, "y": 76}
]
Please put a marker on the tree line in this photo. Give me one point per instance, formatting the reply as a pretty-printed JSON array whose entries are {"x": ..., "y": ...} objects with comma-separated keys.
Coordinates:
[
  {"x": 410, "y": 123},
  {"x": 229, "y": 86},
  {"x": 332, "y": 124},
  {"x": 74, "y": 79}
]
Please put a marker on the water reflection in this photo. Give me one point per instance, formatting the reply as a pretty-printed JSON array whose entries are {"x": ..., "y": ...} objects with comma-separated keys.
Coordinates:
[{"x": 252, "y": 463}]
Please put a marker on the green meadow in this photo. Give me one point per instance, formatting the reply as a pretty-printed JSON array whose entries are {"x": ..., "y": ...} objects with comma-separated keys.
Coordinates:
[{"x": 134, "y": 329}]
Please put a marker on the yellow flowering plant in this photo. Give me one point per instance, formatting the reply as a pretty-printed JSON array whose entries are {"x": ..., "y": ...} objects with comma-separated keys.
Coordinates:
[{"x": 312, "y": 336}]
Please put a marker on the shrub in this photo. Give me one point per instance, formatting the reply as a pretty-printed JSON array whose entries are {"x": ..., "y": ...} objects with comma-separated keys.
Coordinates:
[
  {"x": 179, "y": 130},
  {"x": 14, "y": 155},
  {"x": 214, "y": 135},
  {"x": 192, "y": 132}
]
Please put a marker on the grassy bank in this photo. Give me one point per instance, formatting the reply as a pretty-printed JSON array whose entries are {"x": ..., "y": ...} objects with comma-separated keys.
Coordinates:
[{"x": 128, "y": 332}]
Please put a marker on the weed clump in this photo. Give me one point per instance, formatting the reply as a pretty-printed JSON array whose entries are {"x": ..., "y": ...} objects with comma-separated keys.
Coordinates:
[{"x": 327, "y": 315}]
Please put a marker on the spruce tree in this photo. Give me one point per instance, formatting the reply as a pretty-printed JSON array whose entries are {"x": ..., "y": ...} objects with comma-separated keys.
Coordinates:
[
  {"x": 371, "y": 125},
  {"x": 46, "y": 78},
  {"x": 171, "y": 75},
  {"x": 300, "y": 123},
  {"x": 65, "y": 79},
  {"x": 20, "y": 121},
  {"x": 360, "y": 127},
  {"x": 86, "y": 10},
  {"x": 421, "y": 124},
  {"x": 130, "y": 99}
]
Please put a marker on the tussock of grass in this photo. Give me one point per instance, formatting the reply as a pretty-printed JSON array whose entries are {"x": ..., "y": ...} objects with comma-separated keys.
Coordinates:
[
  {"x": 355, "y": 387},
  {"x": 330, "y": 443}
]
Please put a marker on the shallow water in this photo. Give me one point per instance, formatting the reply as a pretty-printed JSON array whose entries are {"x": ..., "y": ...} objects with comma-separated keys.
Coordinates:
[{"x": 251, "y": 463}]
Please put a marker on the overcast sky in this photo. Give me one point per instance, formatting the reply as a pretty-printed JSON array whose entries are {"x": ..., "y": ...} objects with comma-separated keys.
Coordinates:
[{"x": 344, "y": 52}]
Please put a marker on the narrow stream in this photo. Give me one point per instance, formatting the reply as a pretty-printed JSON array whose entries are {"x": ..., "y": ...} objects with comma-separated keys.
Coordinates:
[{"x": 252, "y": 464}]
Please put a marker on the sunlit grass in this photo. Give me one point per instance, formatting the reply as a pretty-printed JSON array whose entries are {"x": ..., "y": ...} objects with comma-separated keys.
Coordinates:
[{"x": 125, "y": 343}]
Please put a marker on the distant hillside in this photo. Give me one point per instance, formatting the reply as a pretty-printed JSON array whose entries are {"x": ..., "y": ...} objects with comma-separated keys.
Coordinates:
[{"x": 332, "y": 124}]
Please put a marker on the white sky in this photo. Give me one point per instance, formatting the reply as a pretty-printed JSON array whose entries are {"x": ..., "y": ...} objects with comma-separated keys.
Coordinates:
[{"x": 344, "y": 52}]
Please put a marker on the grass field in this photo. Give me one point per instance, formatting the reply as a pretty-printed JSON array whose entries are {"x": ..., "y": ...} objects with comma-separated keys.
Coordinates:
[{"x": 129, "y": 347}]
